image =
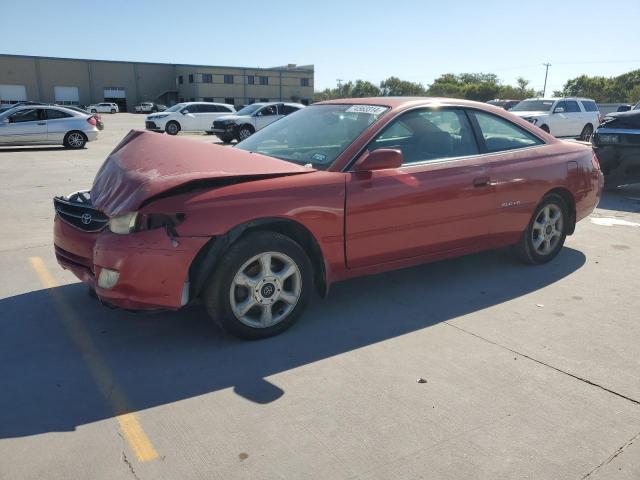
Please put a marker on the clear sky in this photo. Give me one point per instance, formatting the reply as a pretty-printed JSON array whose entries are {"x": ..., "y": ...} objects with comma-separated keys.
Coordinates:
[{"x": 347, "y": 39}]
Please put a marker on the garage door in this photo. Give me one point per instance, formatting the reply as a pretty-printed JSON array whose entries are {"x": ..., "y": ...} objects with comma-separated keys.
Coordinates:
[
  {"x": 13, "y": 93},
  {"x": 114, "y": 92},
  {"x": 66, "y": 95}
]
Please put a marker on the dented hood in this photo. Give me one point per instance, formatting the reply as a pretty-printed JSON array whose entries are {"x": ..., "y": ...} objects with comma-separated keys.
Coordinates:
[{"x": 146, "y": 164}]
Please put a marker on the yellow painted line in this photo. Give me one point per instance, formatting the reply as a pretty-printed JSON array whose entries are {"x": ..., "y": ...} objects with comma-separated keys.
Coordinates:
[{"x": 102, "y": 374}]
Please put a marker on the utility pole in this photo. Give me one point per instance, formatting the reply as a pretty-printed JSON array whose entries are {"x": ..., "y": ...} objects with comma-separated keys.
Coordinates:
[
  {"x": 544, "y": 90},
  {"x": 339, "y": 81}
]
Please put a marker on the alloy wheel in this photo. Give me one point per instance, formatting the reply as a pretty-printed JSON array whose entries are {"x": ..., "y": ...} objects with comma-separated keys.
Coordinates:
[
  {"x": 547, "y": 229},
  {"x": 75, "y": 140},
  {"x": 265, "y": 290}
]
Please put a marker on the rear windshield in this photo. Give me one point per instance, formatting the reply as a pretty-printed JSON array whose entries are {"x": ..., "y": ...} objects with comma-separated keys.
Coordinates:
[{"x": 533, "y": 106}]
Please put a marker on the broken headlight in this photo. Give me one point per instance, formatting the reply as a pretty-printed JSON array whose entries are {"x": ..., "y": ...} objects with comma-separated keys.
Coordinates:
[
  {"x": 140, "y": 222},
  {"x": 123, "y": 223}
]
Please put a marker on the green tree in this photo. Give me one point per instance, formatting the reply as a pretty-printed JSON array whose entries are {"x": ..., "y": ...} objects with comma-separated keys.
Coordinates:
[
  {"x": 363, "y": 88},
  {"x": 394, "y": 87}
]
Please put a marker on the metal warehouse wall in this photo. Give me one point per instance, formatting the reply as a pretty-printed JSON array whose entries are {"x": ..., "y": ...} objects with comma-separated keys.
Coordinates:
[{"x": 148, "y": 81}]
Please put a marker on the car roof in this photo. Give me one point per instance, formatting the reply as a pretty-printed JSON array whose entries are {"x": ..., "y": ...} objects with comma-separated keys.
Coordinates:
[
  {"x": 395, "y": 102},
  {"x": 553, "y": 99}
]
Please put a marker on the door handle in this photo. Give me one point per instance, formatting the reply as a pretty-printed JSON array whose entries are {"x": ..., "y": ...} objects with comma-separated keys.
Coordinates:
[
  {"x": 42, "y": 123},
  {"x": 481, "y": 181}
]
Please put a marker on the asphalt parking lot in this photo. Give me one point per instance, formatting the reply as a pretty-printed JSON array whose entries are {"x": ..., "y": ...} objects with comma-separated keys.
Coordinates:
[{"x": 531, "y": 372}]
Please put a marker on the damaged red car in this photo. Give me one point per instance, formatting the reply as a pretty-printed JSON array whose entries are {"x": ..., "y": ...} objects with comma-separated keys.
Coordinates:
[{"x": 337, "y": 190}]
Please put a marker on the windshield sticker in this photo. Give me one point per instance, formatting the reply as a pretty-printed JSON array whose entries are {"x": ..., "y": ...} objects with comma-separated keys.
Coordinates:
[
  {"x": 319, "y": 157},
  {"x": 370, "y": 109}
]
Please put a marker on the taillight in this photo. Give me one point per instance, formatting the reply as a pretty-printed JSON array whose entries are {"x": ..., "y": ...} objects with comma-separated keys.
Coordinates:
[
  {"x": 599, "y": 118},
  {"x": 92, "y": 121},
  {"x": 595, "y": 162}
]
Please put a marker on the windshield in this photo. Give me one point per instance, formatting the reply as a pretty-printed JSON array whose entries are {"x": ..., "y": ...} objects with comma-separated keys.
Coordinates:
[
  {"x": 314, "y": 135},
  {"x": 249, "y": 109},
  {"x": 533, "y": 106},
  {"x": 176, "y": 107}
]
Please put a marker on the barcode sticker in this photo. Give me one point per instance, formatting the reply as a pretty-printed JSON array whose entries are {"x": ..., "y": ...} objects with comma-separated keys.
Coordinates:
[{"x": 370, "y": 109}]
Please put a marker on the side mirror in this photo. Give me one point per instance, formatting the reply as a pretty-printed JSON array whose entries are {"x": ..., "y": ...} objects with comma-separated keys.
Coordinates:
[
  {"x": 558, "y": 110},
  {"x": 380, "y": 159},
  {"x": 184, "y": 112}
]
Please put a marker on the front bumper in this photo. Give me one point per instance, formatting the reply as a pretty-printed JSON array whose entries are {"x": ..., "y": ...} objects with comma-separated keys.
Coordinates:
[
  {"x": 152, "y": 271},
  {"x": 151, "y": 125}
]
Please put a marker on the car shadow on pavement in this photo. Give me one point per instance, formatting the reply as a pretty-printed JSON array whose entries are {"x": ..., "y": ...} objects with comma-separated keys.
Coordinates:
[
  {"x": 622, "y": 199},
  {"x": 166, "y": 357},
  {"x": 34, "y": 149}
]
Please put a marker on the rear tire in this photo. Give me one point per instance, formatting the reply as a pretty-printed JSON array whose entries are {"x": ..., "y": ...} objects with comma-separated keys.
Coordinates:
[
  {"x": 586, "y": 133},
  {"x": 226, "y": 139},
  {"x": 75, "y": 140},
  {"x": 546, "y": 232},
  {"x": 93, "y": 110},
  {"x": 260, "y": 287},
  {"x": 113, "y": 110},
  {"x": 172, "y": 128}
]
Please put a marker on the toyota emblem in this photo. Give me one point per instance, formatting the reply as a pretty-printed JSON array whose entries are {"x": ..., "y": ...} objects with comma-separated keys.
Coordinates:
[{"x": 86, "y": 218}]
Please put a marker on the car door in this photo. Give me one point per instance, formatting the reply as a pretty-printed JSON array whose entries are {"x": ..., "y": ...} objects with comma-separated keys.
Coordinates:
[
  {"x": 514, "y": 157},
  {"x": 266, "y": 115},
  {"x": 189, "y": 121},
  {"x": 439, "y": 201},
  {"x": 27, "y": 125},
  {"x": 559, "y": 120},
  {"x": 57, "y": 124},
  {"x": 575, "y": 118}
]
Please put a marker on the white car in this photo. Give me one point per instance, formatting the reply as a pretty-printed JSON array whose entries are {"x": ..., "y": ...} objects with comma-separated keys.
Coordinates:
[
  {"x": 104, "y": 107},
  {"x": 187, "y": 117},
  {"x": 46, "y": 125},
  {"x": 250, "y": 119},
  {"x": 561, "y": 117}
]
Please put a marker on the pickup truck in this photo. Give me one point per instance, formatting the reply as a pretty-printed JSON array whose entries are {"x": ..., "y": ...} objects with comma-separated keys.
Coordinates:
[
  {"x": 250, "y": 119},
  {"x": 103, "y": 108},
  {"x": 150, "y": 107}
]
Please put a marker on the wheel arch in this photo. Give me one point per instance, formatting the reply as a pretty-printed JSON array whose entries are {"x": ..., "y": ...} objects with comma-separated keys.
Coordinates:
[
  {"x": 570, "y": 201},
  {"x": 205, "y": 261}
]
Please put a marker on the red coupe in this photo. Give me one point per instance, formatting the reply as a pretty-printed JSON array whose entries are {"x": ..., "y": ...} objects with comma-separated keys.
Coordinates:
[{"x": 336, "y": 190}]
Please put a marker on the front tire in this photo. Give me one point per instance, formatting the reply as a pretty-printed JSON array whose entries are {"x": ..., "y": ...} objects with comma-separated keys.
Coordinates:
[
  {"x": 93, "y": 110},
  {"x": 545, "y": 128},
  {"x": 74, "y": 140},
  {"x": 113, "y": 110},
  {"x": 172, "y": 128},
  {"x": 260, "y": 287},
  {"x": 546, "y": 232},
  {"x": 225, "y": 138},
  {"x": 244, "y": 132}
]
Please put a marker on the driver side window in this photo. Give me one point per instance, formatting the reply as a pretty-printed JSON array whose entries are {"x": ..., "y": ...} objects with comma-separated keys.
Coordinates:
[
  {"x": 27, "y": 115},
  {"x": 270, "y": 110},
  {"x": 429, "y": 134}
]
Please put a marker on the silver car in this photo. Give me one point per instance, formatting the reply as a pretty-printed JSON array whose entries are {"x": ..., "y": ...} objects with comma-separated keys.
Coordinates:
[{"x": 46, "y": 125}]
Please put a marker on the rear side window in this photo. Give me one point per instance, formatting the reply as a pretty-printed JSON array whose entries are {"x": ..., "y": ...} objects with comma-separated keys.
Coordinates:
[
  {"x": 224, "y": 109},
  {"x": 54, "y": 114},
  {"x": 423, "y": 135},
  {"x": 287, "y": 109},
  {"x": 589, "y": 106},
  {"x": 500, "y": 134},
  {"x": 571, "y": 106}
]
